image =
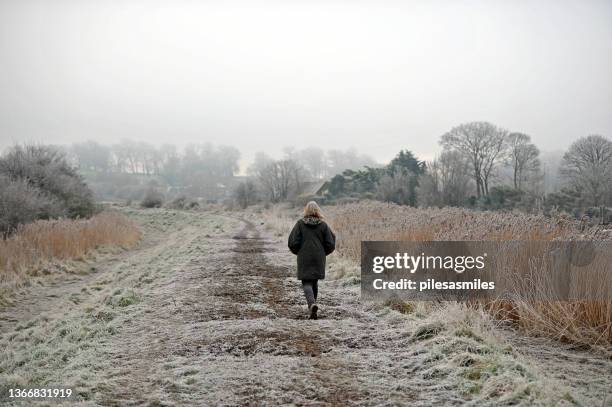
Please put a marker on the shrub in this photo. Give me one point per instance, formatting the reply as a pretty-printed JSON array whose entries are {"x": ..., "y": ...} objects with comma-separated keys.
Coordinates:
[
  {"x": 47, "y": 170},
  {"x": 182, "y": 202},
  {"x": 245, "y": 194},
  {"x": 152, "y": 199},
  {"x": 21, "y": 203},
  {"x": 178, "y": 203}
]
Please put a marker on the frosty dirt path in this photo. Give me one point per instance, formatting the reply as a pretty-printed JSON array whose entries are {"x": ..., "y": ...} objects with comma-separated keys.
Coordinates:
[
  {"x": 229, "y": 327},
  {"x": 208, "y": 312}
]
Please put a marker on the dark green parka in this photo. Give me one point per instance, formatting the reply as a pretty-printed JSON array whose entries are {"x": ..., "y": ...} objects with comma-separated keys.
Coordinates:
[{"x": 311, "y": 239}]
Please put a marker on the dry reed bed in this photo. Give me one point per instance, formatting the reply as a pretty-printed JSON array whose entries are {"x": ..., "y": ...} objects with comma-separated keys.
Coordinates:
[
  {"x": 35, "y": 245},
  {"x": 586, "y": 323},
  {"x": 383, "y": 221}
]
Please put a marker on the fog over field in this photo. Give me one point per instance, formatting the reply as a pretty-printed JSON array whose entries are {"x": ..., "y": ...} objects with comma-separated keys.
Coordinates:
[
  {"x": 378, "y": 76},
  {"x": 191, "y": 193}
]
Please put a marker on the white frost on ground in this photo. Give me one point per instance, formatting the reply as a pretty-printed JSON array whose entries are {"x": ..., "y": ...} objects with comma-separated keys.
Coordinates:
[{"x": 208, "y": 312}]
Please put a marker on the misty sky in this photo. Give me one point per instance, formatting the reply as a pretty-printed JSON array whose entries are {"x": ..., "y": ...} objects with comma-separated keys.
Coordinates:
[{"x": 377, "y": 75}]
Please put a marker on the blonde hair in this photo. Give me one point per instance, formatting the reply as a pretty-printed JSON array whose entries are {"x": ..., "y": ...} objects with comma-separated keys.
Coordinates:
[{"x": 312, "y": 209}]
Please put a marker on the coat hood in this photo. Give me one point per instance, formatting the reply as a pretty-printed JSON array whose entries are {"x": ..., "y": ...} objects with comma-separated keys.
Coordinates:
[{"x": 311, "y": 220}]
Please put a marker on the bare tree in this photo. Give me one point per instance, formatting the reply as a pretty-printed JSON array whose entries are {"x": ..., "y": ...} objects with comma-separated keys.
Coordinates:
[
  {"x": 523, "y": 157},
  {"x": 339, "y": 161},
  {"x": 227, "y": 159},
  {"x": 276, "y": 178},
  {"x": 483, "y": 144},
  {"x": 92, "y": 156},
  {"x": 170, "y": 163},
  {"x": 446, "y": 181},
  {"x": 286, "y": 172},
  {"x": 245, "y": 193},
  {"x": 313, "y": 160},
  {"x": 587, "y": 165},
  {"x": 127, "y": 157},
  {"x": 270, "y": 179},
  {"x": 258, "y": 170},
  {"x": 148, "y": 158},
  {"x": 398, "y": 187},
  {"x": 267, "y": 177}
]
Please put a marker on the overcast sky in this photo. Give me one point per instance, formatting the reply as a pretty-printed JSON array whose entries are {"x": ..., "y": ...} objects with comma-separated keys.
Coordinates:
[{"x": 260, "y": 75}]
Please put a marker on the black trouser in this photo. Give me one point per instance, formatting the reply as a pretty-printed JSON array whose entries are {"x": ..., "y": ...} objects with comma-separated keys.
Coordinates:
[{"x": 311, "y": 288}]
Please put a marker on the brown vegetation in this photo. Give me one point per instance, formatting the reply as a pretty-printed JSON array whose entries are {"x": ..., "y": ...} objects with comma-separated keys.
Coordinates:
[
  {"x": 384, "y": 221},
  {"x": 587, "y": 323},
  {"x": 35, "y": 244}
]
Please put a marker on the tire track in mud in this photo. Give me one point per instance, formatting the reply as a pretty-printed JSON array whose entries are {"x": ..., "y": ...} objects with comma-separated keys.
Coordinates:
[{"x": 249, "y": 260}]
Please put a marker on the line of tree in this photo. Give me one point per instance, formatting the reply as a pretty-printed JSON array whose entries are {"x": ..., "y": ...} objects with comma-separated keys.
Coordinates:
[
  {"x": 203, "y": 170},
  {"x": 129, "y": 169},
  {"x": 481, "y": 166},
  {"x": 274, "y": 180},
  {"x": 476, "y": 155},
  {"x": 166, "y": 161}
]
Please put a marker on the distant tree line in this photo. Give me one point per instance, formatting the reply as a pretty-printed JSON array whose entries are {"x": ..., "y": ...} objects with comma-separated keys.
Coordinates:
[
  {"x": 480, "y": 166},
  {"x": 276, "y": 180},
  {"x": 130, "y": 170},
  {"x": 483, "y": 166},
  {"x": 198, "y": 169}
]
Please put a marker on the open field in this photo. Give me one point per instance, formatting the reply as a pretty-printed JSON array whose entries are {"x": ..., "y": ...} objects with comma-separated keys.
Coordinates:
[{"x": 206, "y": 311}]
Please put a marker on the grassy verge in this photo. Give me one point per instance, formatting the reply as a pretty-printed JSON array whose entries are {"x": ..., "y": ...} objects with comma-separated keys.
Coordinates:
[
  {"x": 460, "y": 346},
  {"x": 74, "y": 345}
]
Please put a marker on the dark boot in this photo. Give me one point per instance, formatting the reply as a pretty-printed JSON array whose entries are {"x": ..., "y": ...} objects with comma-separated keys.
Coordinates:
[{"x": 313, "y": 311}]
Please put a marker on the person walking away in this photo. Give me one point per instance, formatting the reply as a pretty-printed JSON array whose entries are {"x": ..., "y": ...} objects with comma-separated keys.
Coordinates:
[{"x": 311, "y": 239}]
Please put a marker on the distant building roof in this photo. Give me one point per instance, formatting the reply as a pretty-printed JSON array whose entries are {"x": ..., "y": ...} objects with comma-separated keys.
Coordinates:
[{"x": 314, "y": 187}]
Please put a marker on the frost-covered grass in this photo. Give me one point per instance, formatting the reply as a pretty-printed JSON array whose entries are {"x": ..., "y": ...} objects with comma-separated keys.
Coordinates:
[
  {"x": 60, "y": 347},
  {"x": 49, "y": 351},
  {"x": 63, "y": 334},
  {"x": 468, "y": 352}
]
